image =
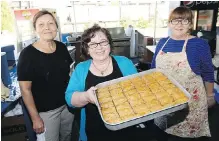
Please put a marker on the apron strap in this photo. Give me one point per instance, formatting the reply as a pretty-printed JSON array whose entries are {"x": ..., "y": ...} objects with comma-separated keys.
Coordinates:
[
  {"x": 185, "y": 43},
  {"x": 164, "y": 44}
]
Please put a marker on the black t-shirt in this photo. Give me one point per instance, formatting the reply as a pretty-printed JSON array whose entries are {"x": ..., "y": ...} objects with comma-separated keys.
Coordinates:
[
  {"x": 94, "y": 123},
  {"x": 49, "y": 73}
]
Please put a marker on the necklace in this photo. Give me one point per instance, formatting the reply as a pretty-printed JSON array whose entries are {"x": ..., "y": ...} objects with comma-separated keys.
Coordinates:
[{"x": 101, "y": 71}]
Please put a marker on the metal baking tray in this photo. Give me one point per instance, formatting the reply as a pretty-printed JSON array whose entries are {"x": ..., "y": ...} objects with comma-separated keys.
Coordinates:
[{"x": 152, "y": 115}]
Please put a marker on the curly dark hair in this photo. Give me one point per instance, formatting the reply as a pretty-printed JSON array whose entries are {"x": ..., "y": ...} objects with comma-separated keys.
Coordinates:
[{"x": 90, "y": 33}]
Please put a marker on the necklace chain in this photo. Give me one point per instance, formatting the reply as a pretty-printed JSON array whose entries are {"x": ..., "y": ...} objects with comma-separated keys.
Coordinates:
[{"x": 101, "y": 71}]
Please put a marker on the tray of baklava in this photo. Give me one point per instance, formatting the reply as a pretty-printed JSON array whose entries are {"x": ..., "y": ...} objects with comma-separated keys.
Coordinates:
[{"x": 140, "y": 97}]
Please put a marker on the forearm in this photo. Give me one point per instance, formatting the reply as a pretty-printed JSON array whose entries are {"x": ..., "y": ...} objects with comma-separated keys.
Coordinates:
[
  {"x": 79, "y": 99},
  {"x": 209, "y": 86},
  {"x": 30, "y": 104}
]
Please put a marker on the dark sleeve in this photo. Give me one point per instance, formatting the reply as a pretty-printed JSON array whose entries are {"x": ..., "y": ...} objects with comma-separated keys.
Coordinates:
[
  {"x": 24, "y": 67},
  {"x": 207, "y": 68},
  {"x": 66, "y": 53},
  {"x": 158, "y": 47}
]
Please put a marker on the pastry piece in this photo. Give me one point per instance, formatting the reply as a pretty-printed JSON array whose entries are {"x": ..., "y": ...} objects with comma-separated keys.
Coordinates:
[
  {"x": 156, "y": 74},
  {"x": 161, "y": 94},
  {"x": 148, "y": 99},
  {"x": 112, "y": 118},
  {"x": 119, "y": 101},
  {"x": 161, "y": 78},
  {"x": 128, "y": 117},
  {"x": 125, "y": 83},
  {"x": 168, "y": 105},
  {"x": 150, "y": 81},
  {"x": 156, "y": 90},
  {"x": 133, "y": 97},
  {"x": 141, "y": 109},
  {"x": 178, "y": 95},
  {"x": 166, "y": 100},
  {"x": 140, "y": 87},
  {"x": 156, "y": 108},
  {"x": 104, "y": 100},
  {"x": 108, "y": 110},
  {"x": 131, "y": 92},
  {"x": 115, "y": 91},
  {"x": 173, "y": 90},
  {"x": 114, "y": 86},
  {"x": 118, "y": 95},
  {"x": 165, "y": 82},
  {"x": 103, "y": 94},
  {"x": 146, "y": 93},
  {"x": 125, "y": 112},
  {"x": 128, "y": 88},
  {"x": 135, "y": 79},
  {"x": 138, "y": 83},
  {"x": 102, "y": 90},
  {"x": 107, "y": 105},
  {"x": 168, "y": 86},
  {"x": 123, "y": 106},
  {"x": 181, "y": 100},
  {"x": 153, "y": 103},
  {"x": 136, "y": 102},
  {"x": 154, "y": 85}
]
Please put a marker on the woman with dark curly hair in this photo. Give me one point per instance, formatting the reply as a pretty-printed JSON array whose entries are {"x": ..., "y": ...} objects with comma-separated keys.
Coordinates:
[{"x": 102, "y": 67}]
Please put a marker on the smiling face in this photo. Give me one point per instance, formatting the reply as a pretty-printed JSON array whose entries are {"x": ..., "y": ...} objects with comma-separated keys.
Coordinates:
[
  {"x": 179, "y": 27},
  {"x": 180, "y": 21},
  {"x": 46, "y": 27},
  {"x": 98, "y": 47}
]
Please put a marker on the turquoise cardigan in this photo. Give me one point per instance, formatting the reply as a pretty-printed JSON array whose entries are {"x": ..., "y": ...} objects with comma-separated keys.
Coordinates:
[{"x": 77, "y": 84}]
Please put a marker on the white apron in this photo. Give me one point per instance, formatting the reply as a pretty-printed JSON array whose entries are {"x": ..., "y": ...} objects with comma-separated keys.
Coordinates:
[{"x": 176, "y": 65}]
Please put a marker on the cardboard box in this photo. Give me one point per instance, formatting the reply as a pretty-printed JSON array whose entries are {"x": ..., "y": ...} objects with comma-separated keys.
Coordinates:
[{"x": 13, "y": 129}]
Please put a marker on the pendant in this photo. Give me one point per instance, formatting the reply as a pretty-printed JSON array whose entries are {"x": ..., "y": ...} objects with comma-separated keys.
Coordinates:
[{"x": 102, "y": 72}]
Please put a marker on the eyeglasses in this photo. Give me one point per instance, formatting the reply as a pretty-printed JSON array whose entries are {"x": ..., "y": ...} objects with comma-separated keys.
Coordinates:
[
  {"x": 177, "y": 21},
  {"x": 102, "y": 44}
]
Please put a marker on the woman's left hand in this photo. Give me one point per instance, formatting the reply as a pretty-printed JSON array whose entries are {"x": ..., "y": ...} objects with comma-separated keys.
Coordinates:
[{"x": 90, "y": 95}]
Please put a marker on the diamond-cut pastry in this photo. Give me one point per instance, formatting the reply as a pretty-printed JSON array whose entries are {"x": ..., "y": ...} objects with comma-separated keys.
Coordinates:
[
  {"x": 103, "y": 94},
  {"x": 109, "y": 110},
  {"x": 115, "y": 91},
  {"x": 123, "y": 106},
  {"x": 131, "y": 92},
  {"x": 125, "y": 112},
  {"x": 117, "y": 96},
  {"x": 128, "y": 117},
  {"x": 128, "y": 88},
  {"x": 102, "y": 90},
  {"x": 114, "y": 86},
  {"x": 148, "y": 99},
  {"x": 107, "y": 104},
  {"x": 141, "y": 109},
  {"x": 136, "y": 102},
  {"x": 166, "y": 100},
  {"x": 181, "y": 100},
  {"x": 156, "y": 108},
  {"x": 104, "y": 99},
  {"x": 162, "y": 94},
  {"x": 119, "y": 101}
]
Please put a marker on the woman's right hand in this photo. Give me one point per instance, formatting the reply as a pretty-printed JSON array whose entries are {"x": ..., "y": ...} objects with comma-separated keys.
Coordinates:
[
  {"x": 38, "y": 125},
  {"x": 90, "y": 95}
]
